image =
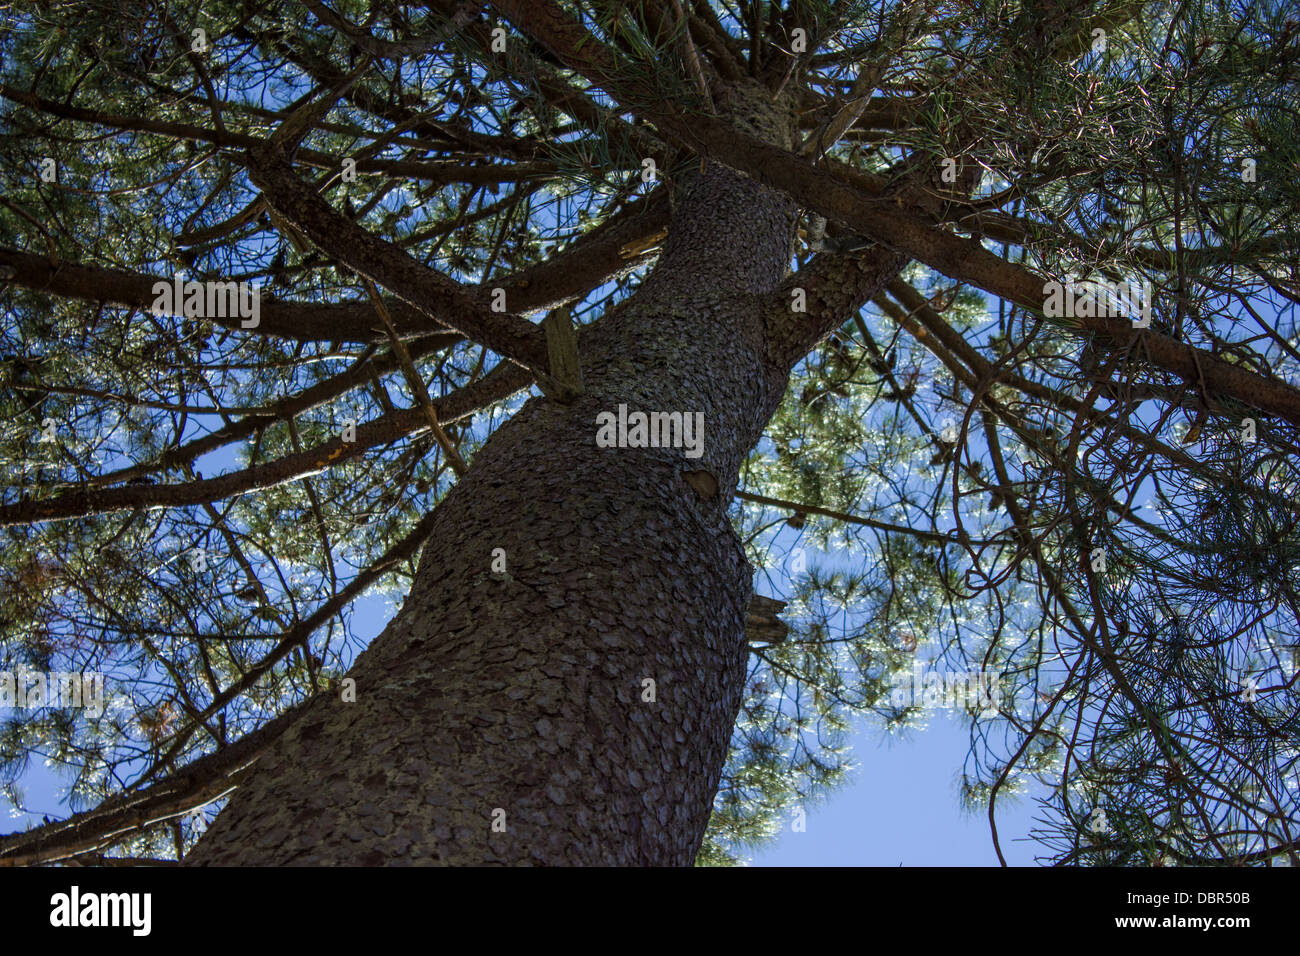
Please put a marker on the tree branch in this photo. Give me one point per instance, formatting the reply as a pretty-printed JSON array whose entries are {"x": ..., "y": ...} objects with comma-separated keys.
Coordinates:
[
  {"x": 451, "y": 171},
  {"x": 838, "y": 193},
  {"x": 834, "y": 286},
  {"x": 501, "y": 382},
  {"x": 303, "y": 321}
]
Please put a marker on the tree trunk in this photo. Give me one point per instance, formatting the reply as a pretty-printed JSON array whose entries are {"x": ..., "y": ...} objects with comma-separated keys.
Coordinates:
[{"x": 505, "y": 717}]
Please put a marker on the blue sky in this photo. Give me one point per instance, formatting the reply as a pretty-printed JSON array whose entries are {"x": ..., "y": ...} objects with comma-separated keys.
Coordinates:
[{"x": 901, "y": 808}]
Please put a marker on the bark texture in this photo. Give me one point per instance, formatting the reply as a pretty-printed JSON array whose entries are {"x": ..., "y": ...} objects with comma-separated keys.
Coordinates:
[{"x": 518, "y": 698}]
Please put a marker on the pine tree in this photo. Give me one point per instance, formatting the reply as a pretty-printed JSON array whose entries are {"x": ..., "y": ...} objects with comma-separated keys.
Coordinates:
[{"x": 315, "y": 304}]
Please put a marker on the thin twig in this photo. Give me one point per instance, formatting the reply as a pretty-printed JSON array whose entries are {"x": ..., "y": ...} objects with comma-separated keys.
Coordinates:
[
  {"x": 692, "y": 59},
  {"x": 417, "y": 384}
]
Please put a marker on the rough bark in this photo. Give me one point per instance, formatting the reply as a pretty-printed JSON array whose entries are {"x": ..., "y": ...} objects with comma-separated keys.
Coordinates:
[{"x": 524, "y": 691}]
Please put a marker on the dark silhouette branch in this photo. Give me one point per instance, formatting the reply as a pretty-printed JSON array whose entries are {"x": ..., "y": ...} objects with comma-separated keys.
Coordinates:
[{"x": 500, "y": 383}]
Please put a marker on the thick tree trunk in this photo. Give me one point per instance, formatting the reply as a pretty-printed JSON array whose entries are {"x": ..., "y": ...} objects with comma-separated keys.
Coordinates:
[{"x": 520, "y": 698}]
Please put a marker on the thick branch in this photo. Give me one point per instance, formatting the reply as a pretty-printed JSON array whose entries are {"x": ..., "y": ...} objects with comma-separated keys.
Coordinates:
[
  {"x": 590, "y": 260},
  {"x": 501, "y": 382},
  {"x": 451, "y": 171},
  {"x": 389, "y": 265},
  {"x": 303, "y": 321},
  {"x": 834, "y": 286},
  {"x": 195, "y": 785},
  {"x": 840, "y": 196},
  {"x": 285, "y": 409}
]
